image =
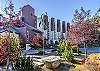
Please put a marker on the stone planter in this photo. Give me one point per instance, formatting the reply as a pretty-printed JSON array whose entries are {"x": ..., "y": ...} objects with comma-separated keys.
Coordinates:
[{"x": 52, "y": 62}]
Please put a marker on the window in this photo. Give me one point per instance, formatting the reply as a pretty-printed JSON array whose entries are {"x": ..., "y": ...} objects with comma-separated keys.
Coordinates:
[
  {"x": 31, "y": 14},
  {"x": 40, "y": 24},
  {"x": 23, "y": 19}
]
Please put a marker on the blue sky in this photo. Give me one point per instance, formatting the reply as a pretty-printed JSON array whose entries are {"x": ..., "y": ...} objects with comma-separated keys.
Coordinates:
[{"x": 59, "y": 9}]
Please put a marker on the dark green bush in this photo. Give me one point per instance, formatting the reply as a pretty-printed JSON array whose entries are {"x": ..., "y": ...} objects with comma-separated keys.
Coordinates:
[{"x": 23, "y": 64}]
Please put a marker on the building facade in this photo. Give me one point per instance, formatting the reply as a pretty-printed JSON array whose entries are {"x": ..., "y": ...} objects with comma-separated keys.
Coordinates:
[
  {"x": 29, "y": 31},
  {"x": 53, "y": 29},
  {"x": 28, "y": 13}
]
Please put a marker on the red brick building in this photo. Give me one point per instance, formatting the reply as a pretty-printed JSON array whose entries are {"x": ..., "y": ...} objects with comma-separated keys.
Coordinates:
[
  {"x": 29, "y": 30},
  {"x": 29, "y": 16}
]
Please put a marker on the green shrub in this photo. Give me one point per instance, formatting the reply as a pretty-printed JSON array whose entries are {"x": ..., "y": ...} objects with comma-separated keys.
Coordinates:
[
  {"x": 15, "y": 42},
  {"x": 66, "y": 50},
  {"x": 23, "y": 64}
]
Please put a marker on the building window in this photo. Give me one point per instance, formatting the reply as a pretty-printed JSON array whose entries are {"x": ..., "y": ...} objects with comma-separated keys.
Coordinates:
[
  {"x": 23, "y": 19},
  {"x": 31, "y": 14},
  {"x": 39, "y": 24}
]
